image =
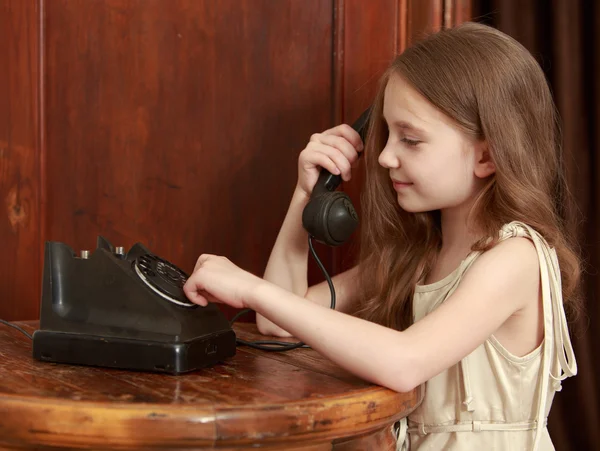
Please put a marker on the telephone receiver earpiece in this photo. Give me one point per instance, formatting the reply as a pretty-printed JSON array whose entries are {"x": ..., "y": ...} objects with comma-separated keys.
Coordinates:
[{"x": 329, "y": 217}]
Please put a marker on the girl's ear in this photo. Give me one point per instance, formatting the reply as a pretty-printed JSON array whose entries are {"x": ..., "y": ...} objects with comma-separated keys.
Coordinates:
[{"x": 484, "y": 164}]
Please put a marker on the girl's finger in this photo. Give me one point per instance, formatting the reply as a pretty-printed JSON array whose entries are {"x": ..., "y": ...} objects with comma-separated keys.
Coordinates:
[
  {"x": 343, "y": 145},
  {"x": 322, "y": 160},
  {"x": 193, "y": 294},
  {"x": 337, "y": 157},
  {"x": 347, "y": 132}
]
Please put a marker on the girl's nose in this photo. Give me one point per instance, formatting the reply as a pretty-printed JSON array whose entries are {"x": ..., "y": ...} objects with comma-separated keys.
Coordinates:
[{"x": 388, "y": 159}]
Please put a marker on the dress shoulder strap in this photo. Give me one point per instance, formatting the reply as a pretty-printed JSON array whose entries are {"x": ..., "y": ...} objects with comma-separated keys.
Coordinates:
[{"x": 557, "y": 343}]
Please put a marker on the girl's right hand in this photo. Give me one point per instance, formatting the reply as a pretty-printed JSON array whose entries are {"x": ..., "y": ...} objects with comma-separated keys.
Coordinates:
[{"x": 335, "y": 149}]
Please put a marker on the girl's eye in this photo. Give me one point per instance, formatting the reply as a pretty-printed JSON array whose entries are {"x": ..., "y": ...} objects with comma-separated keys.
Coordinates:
[{"x": 410, "y": 142}]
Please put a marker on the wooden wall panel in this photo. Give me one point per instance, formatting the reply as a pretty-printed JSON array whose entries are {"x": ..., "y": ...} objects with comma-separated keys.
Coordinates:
[
  {"x": 457, "y": 12},
  {"x": 19, "y": 160},
  {"x": 177, "y": 123},
  {"x": 424, "y": 17}
]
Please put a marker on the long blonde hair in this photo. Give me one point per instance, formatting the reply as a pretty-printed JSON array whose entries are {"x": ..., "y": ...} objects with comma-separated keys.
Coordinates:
[{"x": 494, "y": 90}]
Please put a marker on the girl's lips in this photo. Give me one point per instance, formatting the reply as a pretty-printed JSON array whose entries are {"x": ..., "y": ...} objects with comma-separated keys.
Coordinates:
[{"x": 399, "y": 185}]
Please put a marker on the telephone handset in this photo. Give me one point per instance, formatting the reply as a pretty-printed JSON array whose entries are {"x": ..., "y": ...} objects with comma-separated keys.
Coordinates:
[{"x": 329, "y": 217}]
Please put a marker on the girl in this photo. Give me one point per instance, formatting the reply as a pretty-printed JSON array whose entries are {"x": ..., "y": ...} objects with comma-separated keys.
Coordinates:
[{"x": 458, "y": 285}]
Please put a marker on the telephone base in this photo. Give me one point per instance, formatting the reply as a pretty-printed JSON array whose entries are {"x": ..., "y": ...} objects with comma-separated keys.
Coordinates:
[{"x": 130, "y": 354}]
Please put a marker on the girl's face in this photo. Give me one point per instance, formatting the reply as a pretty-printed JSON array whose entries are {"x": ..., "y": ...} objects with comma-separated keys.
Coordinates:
[{"x": 433, "y": 165}]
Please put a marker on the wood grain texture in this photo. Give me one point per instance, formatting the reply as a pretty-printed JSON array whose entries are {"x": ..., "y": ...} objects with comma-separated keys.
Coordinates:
[
  {"x": 423, "y": 18},
  {"x": 293, "y": 400},
  {"x": 457, "y": 12},
  {"x": 20, "y": 271}
]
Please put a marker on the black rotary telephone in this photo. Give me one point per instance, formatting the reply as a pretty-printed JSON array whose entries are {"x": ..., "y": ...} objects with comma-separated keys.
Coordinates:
[{"x": 125, "y": 309}]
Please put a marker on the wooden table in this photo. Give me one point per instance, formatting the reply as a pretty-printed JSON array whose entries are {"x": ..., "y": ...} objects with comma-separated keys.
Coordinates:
[{"x": 294, "y": 400}]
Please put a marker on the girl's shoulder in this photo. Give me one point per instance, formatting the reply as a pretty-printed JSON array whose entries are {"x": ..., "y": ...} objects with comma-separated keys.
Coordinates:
[
  {"x": 513, "y": 252},
  {"x": 517, "y": 244},
  {"x": 519, "y": 240}
]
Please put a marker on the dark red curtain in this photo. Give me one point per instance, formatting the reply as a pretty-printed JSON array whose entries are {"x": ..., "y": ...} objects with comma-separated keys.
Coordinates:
[{"x": 564, "y": 36}]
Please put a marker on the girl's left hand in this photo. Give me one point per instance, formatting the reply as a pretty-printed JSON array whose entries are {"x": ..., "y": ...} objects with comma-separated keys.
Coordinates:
[{"x": 216, "y": 279}]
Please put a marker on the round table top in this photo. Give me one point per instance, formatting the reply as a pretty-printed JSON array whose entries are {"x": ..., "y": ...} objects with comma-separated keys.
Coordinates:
[{"x": 253, "y": 397}]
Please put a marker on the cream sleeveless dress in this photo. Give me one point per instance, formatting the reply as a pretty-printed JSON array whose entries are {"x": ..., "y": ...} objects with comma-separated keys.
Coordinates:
[{"x": 492, "y": 399}]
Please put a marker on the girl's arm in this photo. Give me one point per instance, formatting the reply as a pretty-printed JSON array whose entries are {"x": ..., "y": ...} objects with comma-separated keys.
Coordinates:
[
  {"x": 501, "y": 282},
  {"x": 287, "y": 265}
]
